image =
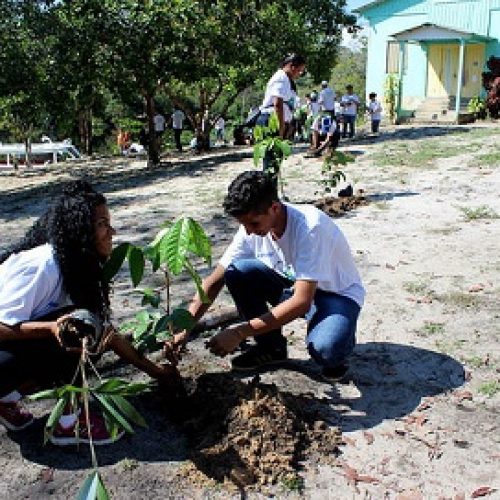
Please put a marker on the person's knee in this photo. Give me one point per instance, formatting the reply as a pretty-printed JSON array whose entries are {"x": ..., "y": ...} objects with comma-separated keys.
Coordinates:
[
  {"x": 239, "y": 271},
  {"x": 331, "y": 344}
]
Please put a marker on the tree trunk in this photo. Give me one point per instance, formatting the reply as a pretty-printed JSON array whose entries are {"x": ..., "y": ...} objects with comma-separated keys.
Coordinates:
[
  {"x": 85, "y": 129},
  {"x": 27, "y": 146},
  {"x": 153, "y": 149}
]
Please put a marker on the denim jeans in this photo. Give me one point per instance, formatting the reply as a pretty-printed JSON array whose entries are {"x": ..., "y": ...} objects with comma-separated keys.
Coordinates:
[
  {"x": 331, "y": 320},
  {"x": 348, "y": 122}
]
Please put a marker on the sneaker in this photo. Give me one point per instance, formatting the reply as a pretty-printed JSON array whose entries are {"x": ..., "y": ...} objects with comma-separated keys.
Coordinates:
[
  {"x": 256, "y": 357},
  {"x": 14, "y": 416},
  {"x": 65, "y": 436},
  {"x": 335, "y": 374}
]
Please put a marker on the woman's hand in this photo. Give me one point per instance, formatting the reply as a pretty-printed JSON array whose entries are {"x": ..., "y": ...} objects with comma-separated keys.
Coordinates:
[
  {"x": 226, "y": 341},
  {"x": 173, "y": 349}
]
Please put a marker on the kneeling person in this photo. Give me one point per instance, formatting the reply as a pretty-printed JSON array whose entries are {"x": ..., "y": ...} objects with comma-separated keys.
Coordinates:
[{"x": 294, "y": 258}]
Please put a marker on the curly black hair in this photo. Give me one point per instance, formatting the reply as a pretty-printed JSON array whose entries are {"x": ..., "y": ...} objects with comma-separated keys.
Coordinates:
[
  {"x": 251, "y": 191},
  {"x": 68, "y": 225}
]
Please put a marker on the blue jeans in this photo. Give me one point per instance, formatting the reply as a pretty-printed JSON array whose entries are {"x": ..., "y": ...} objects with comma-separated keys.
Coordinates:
[
  {"x": 331, "y": 321},
  {"x": 348, "y": 121}
]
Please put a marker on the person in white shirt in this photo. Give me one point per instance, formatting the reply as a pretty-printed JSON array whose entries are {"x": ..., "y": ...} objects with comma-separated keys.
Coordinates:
[
  {"x": 159, "y": 123},
  {"x": 279, "y": 98},
  {"x": 56, "y": 268},
  {"x": 293, "y": 257},
  {"x": 375, "y": 111},
  {"x": 178, "y": 117},
  {"x": 219, "y": 129},
  {"x": 326, "y": 98},
  {"x": 349, "y": 103}
]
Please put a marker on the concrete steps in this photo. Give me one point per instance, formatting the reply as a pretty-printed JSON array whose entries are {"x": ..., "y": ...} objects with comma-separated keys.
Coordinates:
[{"x": 442, "y": 110}]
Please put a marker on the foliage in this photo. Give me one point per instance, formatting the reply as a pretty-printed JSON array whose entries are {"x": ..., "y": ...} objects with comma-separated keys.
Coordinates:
[
  {"x": 391, "y": 95},
  {"x": 171, "y": 251},
  {"x": 481, "y": 212},
  {"x": 270, "y": 148},
  {"x": 477, "y": 106},
  {"x": 330, "y": 174},
  {"x": 350, "y": 69},
  {"x": 491, "y": 83}
]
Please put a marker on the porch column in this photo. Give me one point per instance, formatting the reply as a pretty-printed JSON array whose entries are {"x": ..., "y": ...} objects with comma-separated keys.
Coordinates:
[
  {"x": 400, "y": 76},
  {"x": 460, "y": 76}
]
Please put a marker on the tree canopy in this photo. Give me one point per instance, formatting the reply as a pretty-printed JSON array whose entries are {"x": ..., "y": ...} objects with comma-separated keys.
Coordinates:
[{"x": 64, "y": 61}]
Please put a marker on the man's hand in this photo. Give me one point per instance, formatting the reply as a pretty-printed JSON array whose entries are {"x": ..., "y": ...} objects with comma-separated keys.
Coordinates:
[
  {"x": 226, "y": 341},
  {"x": 173, "y": 349}
]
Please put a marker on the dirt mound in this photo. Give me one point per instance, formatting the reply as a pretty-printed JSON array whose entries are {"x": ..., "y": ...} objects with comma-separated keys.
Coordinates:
[
  {"x": 251, "y": 433},
  {"x": 336, "y": 207}
]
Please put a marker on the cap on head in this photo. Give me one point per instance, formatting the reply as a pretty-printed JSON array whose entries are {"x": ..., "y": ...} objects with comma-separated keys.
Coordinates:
[{"x": 324, "y": 83}]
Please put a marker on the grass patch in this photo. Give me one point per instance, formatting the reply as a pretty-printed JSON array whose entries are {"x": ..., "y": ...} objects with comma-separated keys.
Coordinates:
[
  {"x": 419, "y": 155},
  {"x": 460, "y": 299},
  {"x": 293, "y": 483},
  {"x": 417, "y": 288},
  {"x": 431, "y": 328},
  {"x": 474, "y": 361},
  {"x": 481, "y": 212},
  {"x": 491, "y": 159},
  {"x": 490, "y": 388},
  {"x": 449, "y": 347}
]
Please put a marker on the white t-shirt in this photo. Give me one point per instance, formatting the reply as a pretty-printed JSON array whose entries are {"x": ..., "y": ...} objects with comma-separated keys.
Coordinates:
[
  {"x": 178, "y": 119},
  {"x": 350, "y": 104},
  {"x": 279, "y": 86},
  {"x": 327, "y": 99},
  {"x": 314, "y": 108},
  {"x": 375, "y": 110},
  {"x": 31, "y": 286},
  {"x": 312, "y": 248},
  {"x": 219, "y": 124},
  {"x": 159, "y": 121}
]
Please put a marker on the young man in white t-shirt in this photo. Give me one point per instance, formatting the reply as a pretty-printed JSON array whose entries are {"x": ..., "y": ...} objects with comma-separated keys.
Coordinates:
[
  {"x": 349, "y": 104},
  {"x": 326, "y": 98},
  {"x": 178, "y": 117},
  {"x": 293, "y": 257}
]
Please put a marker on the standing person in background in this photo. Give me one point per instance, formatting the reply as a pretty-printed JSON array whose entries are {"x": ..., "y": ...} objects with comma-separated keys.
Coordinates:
[
  {"x": 178, "y": 117},
  {"x": 326, "y": 99},
  {"x": 159, "y": 123},
  {"x": 219, "y": 129},
  {"x": 349, "y": 103},
  {"x": 280, "y": 98},
  {"x": 375, "y": 110}
]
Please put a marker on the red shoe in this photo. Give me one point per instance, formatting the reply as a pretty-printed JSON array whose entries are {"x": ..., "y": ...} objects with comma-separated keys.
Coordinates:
[
  {"x": 65, "y": 436},
  {"x": 14, "y": 416}
]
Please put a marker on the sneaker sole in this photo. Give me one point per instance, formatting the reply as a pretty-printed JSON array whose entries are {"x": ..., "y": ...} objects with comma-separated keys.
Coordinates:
[
  {"x": 73, "y": 440},
  {"x": 12, "y": 427}
]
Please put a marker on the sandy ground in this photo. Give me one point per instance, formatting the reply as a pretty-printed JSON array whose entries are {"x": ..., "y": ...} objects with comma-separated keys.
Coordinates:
[{"x": 420, "y": 409}]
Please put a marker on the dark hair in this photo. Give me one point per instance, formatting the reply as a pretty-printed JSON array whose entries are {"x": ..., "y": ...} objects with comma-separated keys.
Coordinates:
[
  {"x": 372, "y": 94},
  {"x": 251, "y": 191},
  {"x": 294, "y": 59},
  {"x": 68, "y": 225}
]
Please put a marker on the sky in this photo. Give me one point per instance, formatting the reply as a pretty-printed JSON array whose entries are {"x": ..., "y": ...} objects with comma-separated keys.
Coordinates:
[{"x": 352, "y": 4}]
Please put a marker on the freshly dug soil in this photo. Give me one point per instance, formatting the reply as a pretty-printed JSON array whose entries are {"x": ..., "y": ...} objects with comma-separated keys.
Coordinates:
[
  {"x": 251, "y": 434},
  {"x": 336, "y": 207}
]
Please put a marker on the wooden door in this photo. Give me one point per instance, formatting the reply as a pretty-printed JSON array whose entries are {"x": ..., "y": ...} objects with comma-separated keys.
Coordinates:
[
  {"x": 442, "y": 70},
  {"x": 473, "y": 67}
]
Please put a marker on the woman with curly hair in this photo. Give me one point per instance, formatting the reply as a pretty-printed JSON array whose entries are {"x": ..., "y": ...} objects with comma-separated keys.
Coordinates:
[{"x": 55, "y": 269}]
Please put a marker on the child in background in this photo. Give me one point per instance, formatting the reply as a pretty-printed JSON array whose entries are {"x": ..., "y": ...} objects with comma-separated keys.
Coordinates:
[{"x": 374, "y": 108}]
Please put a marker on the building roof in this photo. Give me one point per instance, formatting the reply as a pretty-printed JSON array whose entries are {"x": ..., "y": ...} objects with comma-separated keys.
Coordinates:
[
  {"x": 361, "y": 8},
  {"x": 428, "y": 31}
]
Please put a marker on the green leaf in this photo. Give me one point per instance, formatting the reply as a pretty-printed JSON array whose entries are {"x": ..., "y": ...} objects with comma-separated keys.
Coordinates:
[
  {"x": 112, "y": 412},
  {"x": 128, "y": 410},
  {"x": 88, "y": 490},
  {"x": 93, "y": 488},
  {"x": 151, "y": 297},
  {"x": 54, "y": 416},
  {"x": 115, "y": 261},
  {"x": 136, "y": 264},
  {"x": 199, "y": 243},
  {"x": 182, "y": 319}
]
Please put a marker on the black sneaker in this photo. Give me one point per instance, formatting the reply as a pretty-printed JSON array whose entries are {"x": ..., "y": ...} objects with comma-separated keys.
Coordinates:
[
  {"x": 335, "y": 374},
  {"x": 256, "y": 357}
]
